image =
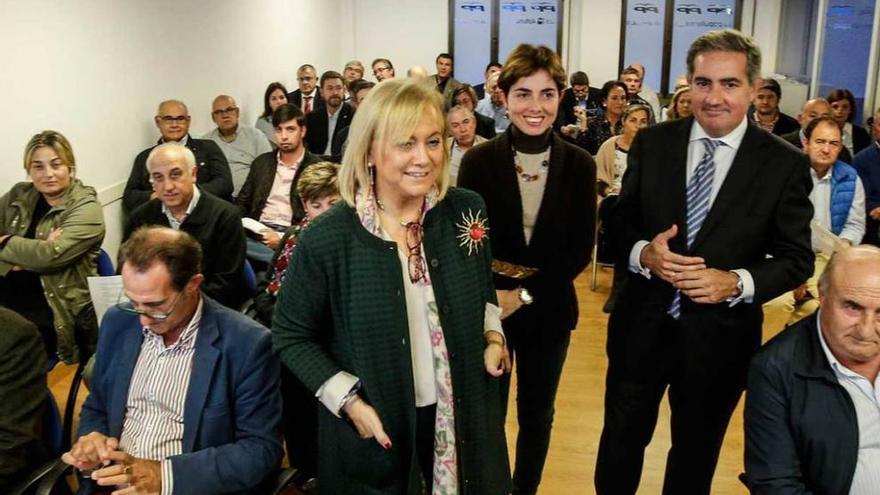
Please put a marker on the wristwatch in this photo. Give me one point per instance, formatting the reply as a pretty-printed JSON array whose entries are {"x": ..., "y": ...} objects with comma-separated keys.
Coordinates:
[
  {"x": 739, "y": 285},
  {"x": 525, "y": 297}
]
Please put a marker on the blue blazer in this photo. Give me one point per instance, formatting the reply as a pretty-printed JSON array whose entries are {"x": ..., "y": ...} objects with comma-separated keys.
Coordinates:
[{"x": 232, "y": 414}]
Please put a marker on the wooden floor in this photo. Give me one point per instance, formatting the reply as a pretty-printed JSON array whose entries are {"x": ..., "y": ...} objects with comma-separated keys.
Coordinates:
[{"x": 579, "y": 407}]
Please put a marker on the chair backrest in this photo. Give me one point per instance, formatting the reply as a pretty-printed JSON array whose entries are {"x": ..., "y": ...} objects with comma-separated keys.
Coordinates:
[
  {"x": 52, "y": 428},
  {"x": 105, "y": 264},
  {"x": 250, "y": 277}
]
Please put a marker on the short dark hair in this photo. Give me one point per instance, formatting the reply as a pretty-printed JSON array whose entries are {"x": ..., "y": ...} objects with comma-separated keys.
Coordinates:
[
  {"x": 464, "y": 88},
  {"x": 178, "y": 251},
  {"x": 491, "y": 64},
  {"x": 384, "y": 61},
  {"x": 267, "y": 110},
  {"x": 525, "y": 60},
  {"x": 330, "y": 74},
  {"x": 359, "y": 84},
  {"x": 844, "y": 94},
  {"x": 771, "y": 84},
  {"x": 808, "y": 131},
  {"x": 579, "y": 78},
  {"x": 609, "y": 85},
  {"x": 443, "y": 55},
  {"x": 286, "y": 112}
]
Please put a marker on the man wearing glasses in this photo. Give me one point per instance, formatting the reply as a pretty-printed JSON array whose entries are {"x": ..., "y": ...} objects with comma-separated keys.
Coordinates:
[
  {"x": 383, "y": 69},
  {"x": 214, "y": 223},
  {"x": 213, "y": 173},
  {"x": 240, "y": 144},
  {"x": 308, "y": 96},
  {"x": 184, "y": 397}
]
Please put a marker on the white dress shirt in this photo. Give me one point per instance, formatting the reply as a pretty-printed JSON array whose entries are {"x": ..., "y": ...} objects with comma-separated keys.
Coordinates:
[
  {"x": 172, "y": 222},
  {"x": 866, "y": 399},
  {"x": 724, "y": 155}
]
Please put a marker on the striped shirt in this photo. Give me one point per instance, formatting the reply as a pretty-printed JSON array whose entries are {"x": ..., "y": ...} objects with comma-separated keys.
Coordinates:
[
  {"x": 153, "y": 425},
  {"x": 866, "y": 399}
]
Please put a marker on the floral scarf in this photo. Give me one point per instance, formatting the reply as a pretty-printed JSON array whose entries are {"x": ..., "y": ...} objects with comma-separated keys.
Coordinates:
[
  {"x": 445, "y": 456},
  {"x": 283, "y": 260}
]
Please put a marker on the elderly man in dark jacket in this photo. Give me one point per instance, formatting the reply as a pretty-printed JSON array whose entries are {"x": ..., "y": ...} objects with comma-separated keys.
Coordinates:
[{"x": 812, "y": 419}]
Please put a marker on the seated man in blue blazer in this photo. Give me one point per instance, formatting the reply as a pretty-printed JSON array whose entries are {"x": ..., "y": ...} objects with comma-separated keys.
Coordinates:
[
  {"x": 811, "y": 418},
  {"x": 184, "y": 396}
]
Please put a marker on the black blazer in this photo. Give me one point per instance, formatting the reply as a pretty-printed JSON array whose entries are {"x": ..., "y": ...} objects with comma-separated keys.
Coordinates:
[
  {"x": 567, "y": 102},
  {"x": 762, "y": 208},
  {"x": 216, "y": 224},
  {"x": 802, "y": 434},
  {"x": 316, "y": 130},
  {"x": 252, "y": 197},
  {"x": 213, "y": 173},
  {"x": 784, "y": 125},
  {"x": 562, "y": 240},
  {"x": 861, "y": 139},
  {"x": 794, "y": 138},
  {"x": 295, "y": 98},
  {"x": 485, "y": 125}
]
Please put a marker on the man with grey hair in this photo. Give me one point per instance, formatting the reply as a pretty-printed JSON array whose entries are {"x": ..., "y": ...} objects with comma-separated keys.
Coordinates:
[
  {"x": 492, "y": 105},
  {"x": 214, "y": 223},
  {"x": 353, "y": 71},
  {"x": 812, "y": 420},
  {"x": 308, "y": 96},
  {"x": 240, "y": 144},
  {"x": 462, "y": 124},
  {"x": 173, "y": 119},
  {"x": 645, "y": 93},
  {"x": 704, "y": 202}
]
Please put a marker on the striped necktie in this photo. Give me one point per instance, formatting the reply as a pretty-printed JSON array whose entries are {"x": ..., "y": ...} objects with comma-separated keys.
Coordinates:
[{"x": 699, "y": 200}]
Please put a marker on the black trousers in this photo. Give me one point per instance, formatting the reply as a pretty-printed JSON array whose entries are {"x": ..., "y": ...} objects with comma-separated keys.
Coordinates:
[
  {"x": 425, "y": 420},
  {"x": 300, "y": 425},
  {"x": 539, "y": 353},
  {"x": 705, "y": 383}
]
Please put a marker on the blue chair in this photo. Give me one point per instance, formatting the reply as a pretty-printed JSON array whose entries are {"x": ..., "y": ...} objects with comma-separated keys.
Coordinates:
[
  {"x": 105, "y": 264},
  {"x": 250, "y": 278}
]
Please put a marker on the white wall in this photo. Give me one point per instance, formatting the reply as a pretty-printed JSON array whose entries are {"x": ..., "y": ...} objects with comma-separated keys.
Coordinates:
[
  {"x": 594, "y": 38},
  {"x": 95, "y": 70},
  {"x": 407, "y": 32}
]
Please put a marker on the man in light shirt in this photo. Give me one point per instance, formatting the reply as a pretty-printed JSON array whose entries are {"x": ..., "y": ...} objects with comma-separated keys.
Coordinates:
[
  {"x": 492, "y": 105},
  {"x": 838, "y": 198},
  {"x": 239, "y": 143},
  {"x": 812, "y": 414},
  {"x": 184, "y": 396},
  {"x": 269, "y": 192},
  {"x": 463, "y": 128}
]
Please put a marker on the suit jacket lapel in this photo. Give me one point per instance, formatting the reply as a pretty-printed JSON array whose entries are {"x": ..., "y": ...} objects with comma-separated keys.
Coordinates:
[
  {"x": 508, "y": 187},
  {"x": 552, "y": 190},
  {"x": 743, "y": 168},
  {"x": 677, "y": 172},
  {"x": 127, "y": 356},
  {"x": 204, "y": 360}
]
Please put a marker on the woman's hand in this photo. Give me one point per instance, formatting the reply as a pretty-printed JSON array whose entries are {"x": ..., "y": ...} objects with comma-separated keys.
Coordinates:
[
  {"x": 496, "y": 356},
  {"x": 366, "y": 421},
  {"x": 509, "y": 301}
]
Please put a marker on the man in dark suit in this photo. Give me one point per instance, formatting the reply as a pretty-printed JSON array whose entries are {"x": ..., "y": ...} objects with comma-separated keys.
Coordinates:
[
  {"x": 704, "y": 201},
  {"x": 867, "y": 163},
  {"x": 184, "y": 397},
  {"x": 214, "y": 223},
  {"x": 213, "y": 174},
  {"x": 308, "y": 96},
  {"x": 326, "y": 122},
  {"x": 269, "y": 192},
  {"x": 811, "y": 418},
  {"x": 24, "y": 392}
]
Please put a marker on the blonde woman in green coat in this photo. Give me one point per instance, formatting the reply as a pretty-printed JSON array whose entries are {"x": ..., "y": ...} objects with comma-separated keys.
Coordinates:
[
  {"x": 51, "y": 229},
  {"x": 389, "y": 316}
]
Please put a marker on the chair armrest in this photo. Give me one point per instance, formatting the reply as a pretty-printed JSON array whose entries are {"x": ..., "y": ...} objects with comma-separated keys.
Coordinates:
[
  {"x": 277, "y": 481},
  {"x": 56, "y": 473}
]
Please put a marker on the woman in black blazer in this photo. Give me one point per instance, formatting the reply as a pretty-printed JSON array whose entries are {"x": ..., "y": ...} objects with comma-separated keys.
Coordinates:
[{"x": 540, "y": 197}]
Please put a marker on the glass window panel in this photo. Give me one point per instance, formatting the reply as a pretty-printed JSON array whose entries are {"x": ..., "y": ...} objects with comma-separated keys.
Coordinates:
[
  {"x": 527, "y": 21},
  {"x": 845, "y": 49},
  {"x": 643, "y": 42},
  {"x": 472, "y": 39},
  {"x": 691, "y": 18}
]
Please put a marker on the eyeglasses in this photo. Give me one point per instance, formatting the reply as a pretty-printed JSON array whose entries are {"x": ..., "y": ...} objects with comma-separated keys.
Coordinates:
[
  {"x": 415, "y": 233},
  {"x": 224, "y": 111},
  {"x": 378, "y": 70},
  {"x": 128, "y": 307},
  {"x": 179, "y": 119}
]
